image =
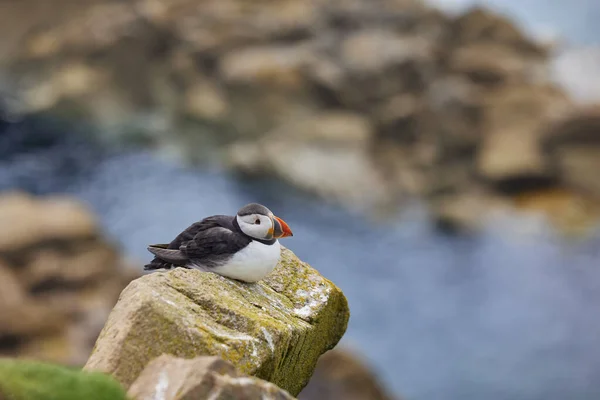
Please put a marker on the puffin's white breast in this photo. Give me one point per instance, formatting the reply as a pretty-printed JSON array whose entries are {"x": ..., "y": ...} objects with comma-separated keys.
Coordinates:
[{"x": 252, "y": 263}]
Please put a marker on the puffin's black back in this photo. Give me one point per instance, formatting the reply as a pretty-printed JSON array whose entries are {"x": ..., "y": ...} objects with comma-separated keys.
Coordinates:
[{"x": 213, "y": 241}]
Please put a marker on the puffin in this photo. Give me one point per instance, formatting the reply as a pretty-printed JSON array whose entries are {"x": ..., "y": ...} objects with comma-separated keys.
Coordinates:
[{"x": 244, "y": 247}]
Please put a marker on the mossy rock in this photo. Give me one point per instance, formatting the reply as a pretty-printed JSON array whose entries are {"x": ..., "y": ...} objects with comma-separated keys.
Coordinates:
[
  {"x": 31, "y": 380},
  {"x": 275, "y": 329}
]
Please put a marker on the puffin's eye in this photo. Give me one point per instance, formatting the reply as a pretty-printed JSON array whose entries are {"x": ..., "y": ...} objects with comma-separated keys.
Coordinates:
[{"x": 257, "y": 222}]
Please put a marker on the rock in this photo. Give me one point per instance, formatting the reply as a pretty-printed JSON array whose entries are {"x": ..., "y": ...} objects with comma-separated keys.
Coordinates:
[
  {"x": 19, "y": 314},
  {"x": 374, "y": 51},
  {"x": 466, "y": 211},
  {"x": 83, "y": 29},
  {"x": 573, "y": 213},
  {"x": 341, "y": 375},
  {"x": 206, "y": 101},
  {"x": 381, "y": 63},
  {"x": 579, "y": 164},
  {"x": 496, "y": 64},
  {"x": 484, "y": 26},
  {"x": 338, "y": 128},
  {"x": 275, "y": 329},
  {"x": 59, "y": 279},
  {"x": 32, "y": 221},
  {"x": 574, "y": 143},
  {"x": 271, "y": 66},
  {"x": 27, "y": 380},
  {"x": 457, "y": 104},
  {"x": 510, "y": 155},
  {"x": 326, "y": 154},
  {"x": 171, "y": 378},
  {"x": 514, "y": 121}
]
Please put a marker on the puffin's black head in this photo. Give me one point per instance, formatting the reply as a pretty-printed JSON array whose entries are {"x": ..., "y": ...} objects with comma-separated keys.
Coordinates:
[{"x": 257, "y": 221}]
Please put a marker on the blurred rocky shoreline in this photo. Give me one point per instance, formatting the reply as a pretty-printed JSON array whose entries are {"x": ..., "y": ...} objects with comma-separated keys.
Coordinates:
[
  {"x": 366, "y": 103},
  {"x": 60, "y": 278}
]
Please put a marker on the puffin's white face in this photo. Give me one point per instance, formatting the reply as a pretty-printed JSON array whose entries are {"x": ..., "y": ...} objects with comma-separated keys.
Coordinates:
[
  {"x": 258, "y": 222},
  {"x": 257, "y": 226}
]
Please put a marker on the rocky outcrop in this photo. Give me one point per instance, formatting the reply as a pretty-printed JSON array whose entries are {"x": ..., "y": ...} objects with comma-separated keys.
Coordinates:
[
  {"x": 59, "y": 279},
  {"x": 365, "y": 102},
  {"x": 341, "y": 375},
  {"x": 29, "y": 380},
  {"x": 275, "y": 329},
  {"x": 574, "y": 143},
  {"x": 327, "y": 154},
  {"x": 172, "y": 378}
]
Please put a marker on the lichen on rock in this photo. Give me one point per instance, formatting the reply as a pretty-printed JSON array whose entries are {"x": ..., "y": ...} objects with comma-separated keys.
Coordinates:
[{"x": 275, "y": 329}]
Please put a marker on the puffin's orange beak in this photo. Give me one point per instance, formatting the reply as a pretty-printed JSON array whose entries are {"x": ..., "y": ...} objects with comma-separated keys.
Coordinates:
[{"x": 281, "y": 229}]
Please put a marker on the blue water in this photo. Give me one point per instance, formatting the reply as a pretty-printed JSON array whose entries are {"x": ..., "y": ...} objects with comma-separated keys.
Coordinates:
[{"x": 512, "y": 313}]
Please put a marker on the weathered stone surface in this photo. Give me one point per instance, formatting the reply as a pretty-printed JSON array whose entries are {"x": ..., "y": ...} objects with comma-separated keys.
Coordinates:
[
  {"x": 59, "y": 278},
  {"x": 275, "y": 329},
  {"x": 27, "y": 380},
  {"x": 341, "y": 375},
  {"x": 172, "y": 378}
]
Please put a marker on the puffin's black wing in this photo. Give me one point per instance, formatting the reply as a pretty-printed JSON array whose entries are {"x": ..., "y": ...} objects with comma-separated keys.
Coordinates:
[
  {"x": 210, "y": 243},
  {"x": 213, "y": 247}
]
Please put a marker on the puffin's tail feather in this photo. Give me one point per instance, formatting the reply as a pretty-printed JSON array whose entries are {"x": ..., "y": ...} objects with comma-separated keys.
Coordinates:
[
  {"x": 165, "y": 257},
  {"x": 157, "y": 263}
]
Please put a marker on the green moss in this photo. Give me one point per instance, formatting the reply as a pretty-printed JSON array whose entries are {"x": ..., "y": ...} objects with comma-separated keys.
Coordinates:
[{"x": 29, "y": 380}]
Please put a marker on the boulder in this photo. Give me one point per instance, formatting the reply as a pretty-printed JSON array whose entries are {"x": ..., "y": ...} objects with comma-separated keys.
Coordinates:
[
  {"x": 456, "y": 106},
  {"x": 205, "y": 101},
  {"x": 326, "y": 154},
  {"x": 277, "y": 66},
  {"x": 342, "y": 375},
  {"x": 275, "y": 329},
  {"x": 480, "y": 25},
  {"x": 32, "y": 222},
  {"x": 514, "y": 122},
  {"x": 172, "y": 378},
  {"x": 574, "y": 143},
  {"x": 28, "y": 380},
  {"x": 493, "y": 64},
  {"x": 59, "y": 278},
  {"x": 467, "y": 211},
  {"x": 374, "y": 51}
]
